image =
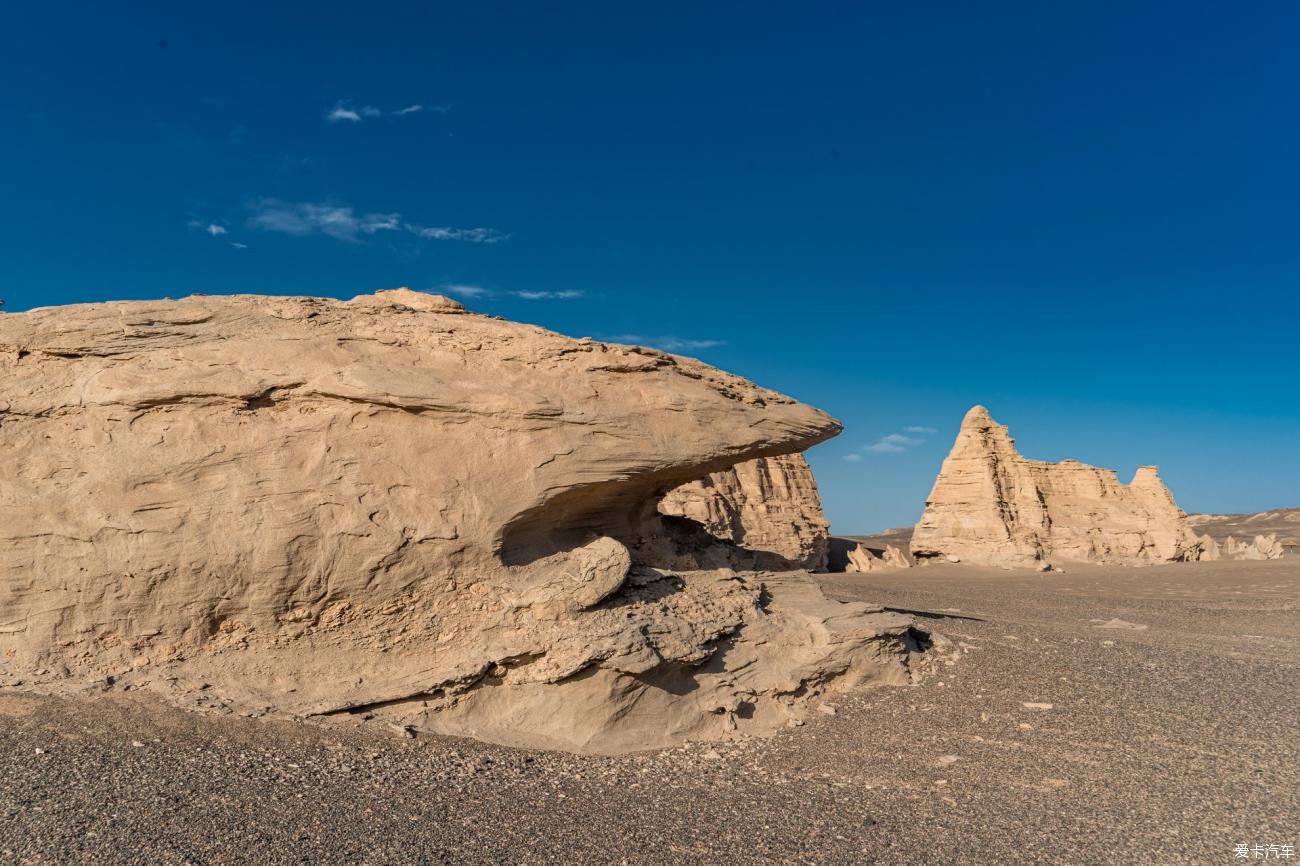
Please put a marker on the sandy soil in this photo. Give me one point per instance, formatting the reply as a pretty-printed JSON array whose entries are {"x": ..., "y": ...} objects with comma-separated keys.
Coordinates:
[{"x": 1171, "y": 737}]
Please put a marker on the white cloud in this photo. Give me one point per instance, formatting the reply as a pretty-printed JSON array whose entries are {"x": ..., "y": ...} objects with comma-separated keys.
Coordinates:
[
  {"x": 370, "y": 111},
  {"x": 668, "y": 343},
  {"x": 565, "y": 295},
  {"x": 237, "y": 245},
  {"x": 341, "y": 112},
  {"x": 213, "y": 229},
  {"x": 897, "y": 443},
  {"x": 466, "y": 291},
  {"x": 307, "y": 218},
  {"x": 448, "y": 233},
  {"x": 410, "y": 109},
  {"x": 853, "y": 458}
]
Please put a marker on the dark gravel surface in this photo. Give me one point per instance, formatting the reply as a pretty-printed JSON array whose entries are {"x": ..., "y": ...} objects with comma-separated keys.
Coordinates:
[{"x": 1168, "y": 743}]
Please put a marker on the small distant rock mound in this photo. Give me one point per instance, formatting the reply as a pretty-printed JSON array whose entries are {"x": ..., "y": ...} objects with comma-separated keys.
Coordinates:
[
  {"x": 770, "y": 505},
  {"x": 991, "y": 506},
  {"x": 1280, "y": 523},
  {"x": 859, "y": 556},
  {"x": 395, "y": 508},
  {"x": 1260, "y": 548}
]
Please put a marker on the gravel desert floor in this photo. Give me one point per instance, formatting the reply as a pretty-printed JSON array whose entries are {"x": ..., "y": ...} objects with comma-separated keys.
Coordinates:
[{"x": 1099, "y": 716}]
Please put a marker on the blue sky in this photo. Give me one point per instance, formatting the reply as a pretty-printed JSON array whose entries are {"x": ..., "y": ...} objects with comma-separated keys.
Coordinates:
[{"x": 1087, "y": 219}]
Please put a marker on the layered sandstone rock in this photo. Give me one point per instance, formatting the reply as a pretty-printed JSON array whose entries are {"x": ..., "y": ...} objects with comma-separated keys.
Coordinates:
[
  {"x": 313, "y": 507},
  {"x": 990, "y": 506},
  {"x": 769, "y": 505}
]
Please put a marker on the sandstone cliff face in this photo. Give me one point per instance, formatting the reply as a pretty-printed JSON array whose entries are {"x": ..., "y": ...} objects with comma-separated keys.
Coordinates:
[
  {"x": 389, "y": 503},
  {"x": 990, "y": 506},
  {"x": 770, "y": 505}
]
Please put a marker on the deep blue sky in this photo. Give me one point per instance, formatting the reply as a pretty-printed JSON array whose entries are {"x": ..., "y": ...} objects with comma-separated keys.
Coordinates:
[{"x": 1085, "y": 216}]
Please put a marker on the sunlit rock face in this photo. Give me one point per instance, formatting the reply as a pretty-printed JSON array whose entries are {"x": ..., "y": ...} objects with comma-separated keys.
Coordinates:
[{"x": 991, "y": 506}]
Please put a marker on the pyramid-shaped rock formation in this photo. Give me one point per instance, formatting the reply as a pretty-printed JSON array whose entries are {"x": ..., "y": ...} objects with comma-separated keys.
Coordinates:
[
  {"x": 393, "y": 506},
  {"x": 991, "y": 506}
]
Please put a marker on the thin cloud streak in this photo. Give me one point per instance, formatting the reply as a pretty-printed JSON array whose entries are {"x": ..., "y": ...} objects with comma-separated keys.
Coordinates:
[
  {"x": 567, "y": 294},
  {"x": 472, "y": 291},
  {"x": 466, "y": 291},
  {"x": 478, "y": 235},
  {"x": 667, "y": 343}
]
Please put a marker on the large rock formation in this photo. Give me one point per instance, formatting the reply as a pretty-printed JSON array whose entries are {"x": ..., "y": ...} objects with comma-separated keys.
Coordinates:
[
  {"x": 392, "y": 506},
  {"x": 990, "y": 506},
  {"x": 769, "y": 505}
]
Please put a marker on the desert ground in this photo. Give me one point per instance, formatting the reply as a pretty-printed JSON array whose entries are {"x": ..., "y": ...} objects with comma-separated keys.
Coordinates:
[{"x": 1099, "y": 716}]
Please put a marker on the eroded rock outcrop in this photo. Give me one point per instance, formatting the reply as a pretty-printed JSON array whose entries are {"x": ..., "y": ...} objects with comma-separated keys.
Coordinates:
[
  {"x": 1260, "y": 548},
  {"x": 770, "y": 505},
  {"x": 311, "y": 507},
  {"x": 856, "y": 557},
  {"x": 991, "y": 506}
]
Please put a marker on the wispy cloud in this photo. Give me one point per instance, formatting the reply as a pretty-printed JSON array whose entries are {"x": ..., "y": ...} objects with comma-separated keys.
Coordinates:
[
  {"x": 344, "y": 112},
  {"x": 448, "y": 233},
  {"x": 565, "y": 295},
  {"x": 897, "y": 443},
  {"x": 237, "y": 245},
  {"x": 472, "y": 291},
  {"x": 308, "y": 218},
  {"x": 667, "y": 343},
  {"x": 853, "y": 458},
  {"x": 413, "y": 109},
  {"x": 213, "y": 229},
  {"x": 339, "y": 114},
  {"x": 466, "y": 291}
]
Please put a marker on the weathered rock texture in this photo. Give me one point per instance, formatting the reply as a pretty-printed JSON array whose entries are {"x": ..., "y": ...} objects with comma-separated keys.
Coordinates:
[
  {"x": 769, "y": 505},
  {"x": 990, "y": 506},
  {"x": 311, "y": 507}
]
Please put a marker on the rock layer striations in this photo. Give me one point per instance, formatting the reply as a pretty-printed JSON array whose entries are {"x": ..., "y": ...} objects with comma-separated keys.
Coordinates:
[
  {"x": 393, "y": 506},
  {"x": 991, "y": 506},
  {"x": 770, "y": 505}
]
